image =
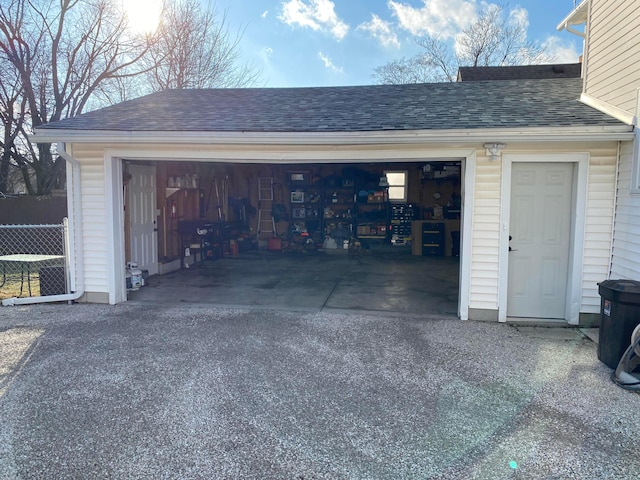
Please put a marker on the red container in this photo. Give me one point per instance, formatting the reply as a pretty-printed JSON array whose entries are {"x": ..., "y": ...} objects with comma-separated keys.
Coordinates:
[{"x": 275, "y": 243}]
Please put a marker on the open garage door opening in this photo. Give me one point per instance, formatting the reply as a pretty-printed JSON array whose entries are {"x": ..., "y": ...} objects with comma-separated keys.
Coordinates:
[{"x": 384, "y": 235}]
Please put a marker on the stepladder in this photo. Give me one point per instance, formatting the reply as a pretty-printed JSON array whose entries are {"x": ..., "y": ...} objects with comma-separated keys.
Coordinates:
[{"x": 266, "y": 222}]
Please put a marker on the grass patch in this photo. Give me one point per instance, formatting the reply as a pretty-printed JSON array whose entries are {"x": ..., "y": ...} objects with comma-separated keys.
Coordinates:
[{"x": 11, "y": 287}]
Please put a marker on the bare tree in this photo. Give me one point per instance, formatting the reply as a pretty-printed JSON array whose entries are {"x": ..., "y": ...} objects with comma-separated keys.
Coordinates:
[
  {"x": 493, "y": 39},
  {"x": 11, "y": 116},
  {"x": 57, "y": 58},
  {"x": 196, "y": 50},
  {"x": 416, "y": 69}
]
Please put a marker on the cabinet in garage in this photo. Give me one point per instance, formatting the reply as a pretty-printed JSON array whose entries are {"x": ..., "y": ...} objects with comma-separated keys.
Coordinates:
[
  {"x": 436, "y": 237},
  {"x": 432, "y": 235}
]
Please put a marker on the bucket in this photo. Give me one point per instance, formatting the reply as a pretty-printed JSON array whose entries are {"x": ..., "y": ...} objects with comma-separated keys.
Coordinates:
[{"x": 133, "y": 278}]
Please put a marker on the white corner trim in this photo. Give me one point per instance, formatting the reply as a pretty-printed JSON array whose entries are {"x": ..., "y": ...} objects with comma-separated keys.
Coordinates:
[
  {"x": 466, "y": 234},
  {"x": 634, "y": 188},
  {"x": 114, "y": 224}
]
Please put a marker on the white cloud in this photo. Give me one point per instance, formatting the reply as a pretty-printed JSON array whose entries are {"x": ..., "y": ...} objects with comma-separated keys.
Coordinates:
[
  {"x": 328, "y": 63},
  {"x": 519, "y": 17},
  {"x": 265, "y": 54},
  {"x": 318, "y": 15},
  {"x": 381, "y": 30},
  {"x": 443, "y": 18},
  {"x": 264, "y": 14},
  {"x": 562, "y": 51}
]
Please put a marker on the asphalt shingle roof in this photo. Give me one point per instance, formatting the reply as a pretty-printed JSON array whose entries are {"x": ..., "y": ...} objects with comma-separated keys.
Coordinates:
[
  {"x": 438, "y": 106},
  {"x": 520, "y": 72}
]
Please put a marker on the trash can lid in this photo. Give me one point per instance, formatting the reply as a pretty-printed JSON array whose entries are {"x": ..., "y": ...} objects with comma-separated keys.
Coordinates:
[
  {"x": 626, "y": 291},
  {"x": 622, "y": 285}
]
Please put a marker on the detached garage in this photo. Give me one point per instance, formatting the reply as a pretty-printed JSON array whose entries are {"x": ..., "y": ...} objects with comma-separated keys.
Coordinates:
[{"x": 465, "y": 170}]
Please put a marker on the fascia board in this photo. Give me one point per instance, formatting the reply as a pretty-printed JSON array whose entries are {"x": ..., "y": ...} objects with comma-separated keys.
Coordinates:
[
  {"x": 463, "y": 136},
  {"x": 577, "y": 16}
]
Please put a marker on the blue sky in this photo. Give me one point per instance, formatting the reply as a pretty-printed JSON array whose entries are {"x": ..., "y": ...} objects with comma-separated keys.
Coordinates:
[{"x": 340, "y": 42}]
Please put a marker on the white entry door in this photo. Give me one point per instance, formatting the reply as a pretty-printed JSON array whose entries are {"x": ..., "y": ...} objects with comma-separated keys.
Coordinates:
[
  {"x": 142, "y": 214},
  {"x": 540, "y": 230}
]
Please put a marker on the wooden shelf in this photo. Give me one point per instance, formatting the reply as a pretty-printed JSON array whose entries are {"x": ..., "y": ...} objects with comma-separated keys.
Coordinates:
[
  {"x": 168, "y": 191},
  {"x": 171, "y": 191}
]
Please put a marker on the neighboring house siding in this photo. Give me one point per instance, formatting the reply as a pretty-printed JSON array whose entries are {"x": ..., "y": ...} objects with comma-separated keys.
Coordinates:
[
  {"x": 612, "y": 51},
  {"x": 94, "y": 222},
  {"x": 626, "y": 241}
]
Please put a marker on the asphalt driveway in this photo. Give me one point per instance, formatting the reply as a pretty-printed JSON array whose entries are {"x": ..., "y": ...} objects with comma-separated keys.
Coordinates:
[{"x": 143, "y": 391}]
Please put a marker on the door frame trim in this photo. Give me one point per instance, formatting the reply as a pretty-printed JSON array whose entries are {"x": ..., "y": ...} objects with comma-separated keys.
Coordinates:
[
  {"x": 114, "y": 207},
  {"x": 376, "y": 153},
  {"x": 577, "y": 235}
]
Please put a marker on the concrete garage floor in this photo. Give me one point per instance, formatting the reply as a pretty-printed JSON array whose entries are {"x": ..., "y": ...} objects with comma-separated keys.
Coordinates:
[
  {"x": 181, "y": 391},
  {"x": 376, "y": 282}
]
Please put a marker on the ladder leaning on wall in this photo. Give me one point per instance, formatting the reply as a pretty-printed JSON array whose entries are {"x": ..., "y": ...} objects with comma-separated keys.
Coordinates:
[{"x": 266, "y": 222}]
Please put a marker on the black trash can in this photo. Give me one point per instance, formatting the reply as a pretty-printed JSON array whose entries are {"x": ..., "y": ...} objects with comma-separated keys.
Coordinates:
[{"x": 619, "y": 315}]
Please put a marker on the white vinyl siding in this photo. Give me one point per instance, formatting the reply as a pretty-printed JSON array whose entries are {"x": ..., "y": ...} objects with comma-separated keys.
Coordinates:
[
  {"x": 613, "y": 48},
  {"x": 626, "y": 237},
  {"x": 484, "y": 283},
  {"x": 94, "y": 221},
  {"x": 485, "y": 247},
  {"x": 486, "y": 216},
  {"x": 599, "y": 225}
]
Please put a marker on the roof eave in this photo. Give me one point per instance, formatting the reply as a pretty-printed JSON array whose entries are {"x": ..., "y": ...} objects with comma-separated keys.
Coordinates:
[
  {"x": 461, "y": 136},
  {"x": 578, "y": 16}
]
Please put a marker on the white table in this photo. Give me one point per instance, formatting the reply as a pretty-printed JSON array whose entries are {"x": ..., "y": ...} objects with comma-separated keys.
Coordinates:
[{"x": 26, "y": 261}]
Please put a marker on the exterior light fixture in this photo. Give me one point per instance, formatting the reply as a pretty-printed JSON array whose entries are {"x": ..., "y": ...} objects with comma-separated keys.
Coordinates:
[
  {"x": 383, "y": 181},
  {"x": 494, "y": 150}
]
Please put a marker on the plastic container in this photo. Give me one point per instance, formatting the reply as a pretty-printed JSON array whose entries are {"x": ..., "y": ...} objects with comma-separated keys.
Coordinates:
[
  {"x": 275, "y": 244},
  {"x": 133, "y": 276},
  {"x": 619, "y": 315}
]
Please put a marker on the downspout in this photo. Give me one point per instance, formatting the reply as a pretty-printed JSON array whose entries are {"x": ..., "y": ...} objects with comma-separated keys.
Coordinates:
[
  {"x": 75, "y": 252},
  {"x": 615, "y": 211}
]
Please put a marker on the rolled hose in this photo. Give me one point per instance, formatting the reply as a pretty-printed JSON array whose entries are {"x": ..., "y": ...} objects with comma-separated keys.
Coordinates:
[
  {"x": 622, "y": 376},
  {"x": 634, "y": 339}
]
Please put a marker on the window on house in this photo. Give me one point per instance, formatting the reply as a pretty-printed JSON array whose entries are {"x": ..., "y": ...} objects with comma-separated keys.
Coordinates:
[{"x": 397, "y": 185}]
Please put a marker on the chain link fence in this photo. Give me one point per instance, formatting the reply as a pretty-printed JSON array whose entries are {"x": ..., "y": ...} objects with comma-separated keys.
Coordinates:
[{"x": 33, "y": 260}]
